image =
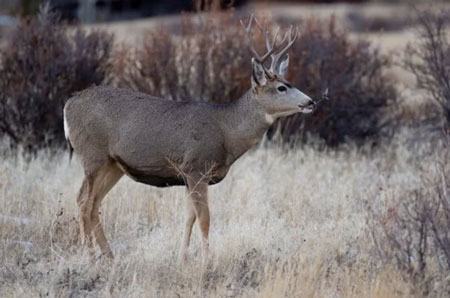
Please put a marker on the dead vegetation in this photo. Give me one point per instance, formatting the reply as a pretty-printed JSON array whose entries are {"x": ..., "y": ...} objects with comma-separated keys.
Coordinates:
[
  {"x": 42, "y": 64},
  {"x": 283, "y": 227},
  {"x": 429, "y": 58},
  {"x": 202, "y": 62},
  {"x": 412, "y": 231}
]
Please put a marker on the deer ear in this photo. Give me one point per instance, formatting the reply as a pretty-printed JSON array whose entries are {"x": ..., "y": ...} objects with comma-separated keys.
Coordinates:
[
  {"x": 283, "y": 66},
  {"x": 258, "y": 74}
]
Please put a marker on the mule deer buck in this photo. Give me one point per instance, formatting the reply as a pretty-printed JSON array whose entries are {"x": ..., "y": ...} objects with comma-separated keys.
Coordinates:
[{"x": 165, "y": 143}]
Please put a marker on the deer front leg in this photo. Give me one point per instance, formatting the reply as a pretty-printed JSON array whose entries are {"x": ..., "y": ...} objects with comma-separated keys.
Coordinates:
[
  {"x": 189, "y": 223},
  {"x": 85, "y": 204},
  {"x": 199, "y": 198}
]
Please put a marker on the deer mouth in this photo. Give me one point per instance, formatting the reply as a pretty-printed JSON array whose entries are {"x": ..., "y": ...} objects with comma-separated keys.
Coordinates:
[{"x": 307, "y": 109}]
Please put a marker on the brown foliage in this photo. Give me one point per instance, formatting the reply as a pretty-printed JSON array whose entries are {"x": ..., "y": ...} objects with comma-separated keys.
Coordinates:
[
  {"x": 325, "y": 57},
  {"x": 43, "y": 63},
  {"x": 204, "y": 62}
]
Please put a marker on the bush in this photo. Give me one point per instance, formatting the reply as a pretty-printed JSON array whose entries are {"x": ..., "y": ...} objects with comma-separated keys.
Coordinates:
[
  {"x": 325, "y": 57},
  {"x": 207, "y": 62},
  {"x": 429, "y": 58},
  {"x": 204, "y": 62},
  {"x": 413, "y": 231},
  {"x": 43, "y": 63}
]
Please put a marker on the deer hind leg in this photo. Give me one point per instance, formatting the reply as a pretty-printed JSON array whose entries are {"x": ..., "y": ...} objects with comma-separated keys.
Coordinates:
[
  {"x": 198, "y": 189},
  {"x": 104, "y": 181},
  {"x": 95, "y": 186}
]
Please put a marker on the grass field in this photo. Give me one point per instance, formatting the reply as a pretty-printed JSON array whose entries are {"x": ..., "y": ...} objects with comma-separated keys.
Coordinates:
[{"x": 292, "y": 223}]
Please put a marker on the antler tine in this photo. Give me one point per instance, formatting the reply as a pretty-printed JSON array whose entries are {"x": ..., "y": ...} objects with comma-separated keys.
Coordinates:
[
  {"x": 248, "y": 29},
  {"x": 274, "y": 42},
  {"x": 291, "y": 35}
]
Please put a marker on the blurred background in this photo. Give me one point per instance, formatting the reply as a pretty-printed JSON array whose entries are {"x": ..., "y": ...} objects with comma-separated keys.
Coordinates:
[{"x": 107, "y": 10}]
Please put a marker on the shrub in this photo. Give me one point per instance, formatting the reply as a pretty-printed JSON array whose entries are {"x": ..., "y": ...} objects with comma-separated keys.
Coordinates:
[
  {"x": 402, "y": 237},
  {"x": 429, "y": 58},
  {"x": 413, "y": 231},
  {"x": 43, "y": 63},
  {"x": 204, "y": 62},
  {"x": 209, "y": 60},
  {"x": 325, "y": 57}
]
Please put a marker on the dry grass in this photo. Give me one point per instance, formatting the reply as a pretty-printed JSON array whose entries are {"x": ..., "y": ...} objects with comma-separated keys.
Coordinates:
[{"x": 292, "y": 223}]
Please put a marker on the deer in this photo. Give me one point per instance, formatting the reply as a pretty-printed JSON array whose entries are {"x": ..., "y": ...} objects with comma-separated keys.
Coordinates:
[{"x": 162, "y": 143}]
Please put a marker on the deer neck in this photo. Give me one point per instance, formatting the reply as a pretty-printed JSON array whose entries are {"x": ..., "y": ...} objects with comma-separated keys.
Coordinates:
[{"x": 244, "y": 123}]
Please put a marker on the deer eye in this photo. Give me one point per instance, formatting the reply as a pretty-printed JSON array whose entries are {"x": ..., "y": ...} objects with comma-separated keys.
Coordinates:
[{"x": 282, "y": 88}]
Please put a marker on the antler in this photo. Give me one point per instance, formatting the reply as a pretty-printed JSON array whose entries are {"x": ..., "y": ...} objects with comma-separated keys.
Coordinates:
[
  {"x": 291, "y": 36},
  {"x": 248, "y": 30}
]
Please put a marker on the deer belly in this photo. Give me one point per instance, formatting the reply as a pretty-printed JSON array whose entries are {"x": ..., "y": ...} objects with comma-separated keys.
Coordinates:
[
  {"x": 164, "y": 174},
  {"x": 156, "y": 180},
  {"x": 150, "y": 175}
]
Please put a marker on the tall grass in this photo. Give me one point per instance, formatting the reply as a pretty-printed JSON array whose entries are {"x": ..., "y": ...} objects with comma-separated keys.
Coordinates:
[{"x": 282, "y": 222}]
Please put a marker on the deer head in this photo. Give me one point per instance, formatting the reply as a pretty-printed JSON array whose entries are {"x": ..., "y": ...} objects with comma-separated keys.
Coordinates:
[{"x": 269, "y": 85}]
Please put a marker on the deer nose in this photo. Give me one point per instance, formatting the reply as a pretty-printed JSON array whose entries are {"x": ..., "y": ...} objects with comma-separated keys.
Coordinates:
[{"x": 311, "y": 104}]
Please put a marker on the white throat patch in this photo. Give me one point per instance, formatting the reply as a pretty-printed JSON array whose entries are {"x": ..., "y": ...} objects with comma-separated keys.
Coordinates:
[{"x": 269, "y": 118}]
